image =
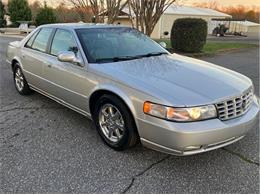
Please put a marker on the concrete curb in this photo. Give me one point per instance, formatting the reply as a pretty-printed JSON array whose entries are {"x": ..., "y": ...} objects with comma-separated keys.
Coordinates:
[{"x": 12, "y": 36}]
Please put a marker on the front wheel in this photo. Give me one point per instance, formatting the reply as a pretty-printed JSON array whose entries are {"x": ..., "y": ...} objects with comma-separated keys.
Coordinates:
[
  {"x": 115, "y": 123},
  {"x": 20, "y": 82}
]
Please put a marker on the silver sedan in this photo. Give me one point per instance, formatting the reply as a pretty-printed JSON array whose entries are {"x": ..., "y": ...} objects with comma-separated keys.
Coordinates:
[{"x": 133, "y": 89}]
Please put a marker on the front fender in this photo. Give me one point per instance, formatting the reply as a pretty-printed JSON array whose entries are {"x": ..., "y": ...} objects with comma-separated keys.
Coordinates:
[
  {"x": 16, "y": 58},
  {"x": 119, "y": 92}
]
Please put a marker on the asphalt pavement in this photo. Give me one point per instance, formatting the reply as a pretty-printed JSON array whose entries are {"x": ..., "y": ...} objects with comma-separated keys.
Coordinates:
[
  {"x": 237, "y": 39},
  {"x": 47, "y": 148}
]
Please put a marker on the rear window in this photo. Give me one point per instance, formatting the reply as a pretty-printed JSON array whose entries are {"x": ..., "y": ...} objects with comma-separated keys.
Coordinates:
[
  {"x": 41, "y": 41},
  {"x": 30, "y": 41}
]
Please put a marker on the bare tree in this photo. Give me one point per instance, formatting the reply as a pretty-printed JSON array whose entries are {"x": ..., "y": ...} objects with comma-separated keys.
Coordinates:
[
  {"x": 65, "y": 14},
  {"x": 35, "y": 7},
  {"x": 148, "y": 12},
  {"x": 80, "y": 3},
  {"x": 101, "y": 8},
  {"x": 83, "y": 7},
  {"x": 113, "y": 9},
  {"x": 98, "y": 6}
]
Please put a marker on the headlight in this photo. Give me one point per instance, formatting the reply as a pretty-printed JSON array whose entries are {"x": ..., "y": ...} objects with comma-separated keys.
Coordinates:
[{"x": 180, "y": 114}]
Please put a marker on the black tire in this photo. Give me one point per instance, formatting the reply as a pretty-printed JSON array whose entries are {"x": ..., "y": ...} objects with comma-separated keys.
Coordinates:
[
  {"x": 25, "y": 89},
  {"x": 130, "y": 136}
]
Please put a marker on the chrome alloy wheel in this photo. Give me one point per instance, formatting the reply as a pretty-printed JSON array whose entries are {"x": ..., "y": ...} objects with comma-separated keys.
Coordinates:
[
  {"x": 19, "y": 80},
  {"x": 111, "y": 123}
]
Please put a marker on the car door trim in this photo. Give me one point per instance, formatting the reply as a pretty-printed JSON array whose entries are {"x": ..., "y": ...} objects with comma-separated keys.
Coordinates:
[
  {"x": 62, "y": 102},
  {"x": 86, "y": 97}
]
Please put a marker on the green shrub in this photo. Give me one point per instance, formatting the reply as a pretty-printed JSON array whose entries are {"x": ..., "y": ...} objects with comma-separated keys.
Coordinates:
[
  {"x": 46, "y": 15},
  {"x": 189, "y": 35}
]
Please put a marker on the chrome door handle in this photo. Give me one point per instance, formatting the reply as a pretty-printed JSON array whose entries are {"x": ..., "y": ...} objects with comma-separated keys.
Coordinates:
[{"x": 49, "y": 65}]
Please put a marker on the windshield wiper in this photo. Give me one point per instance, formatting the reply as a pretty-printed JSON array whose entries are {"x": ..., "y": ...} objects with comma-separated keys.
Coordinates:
[
  {"x": 116, "y": 59},
  {"x": 125, "y": 58},
  {"x": 154, "y": 54}
]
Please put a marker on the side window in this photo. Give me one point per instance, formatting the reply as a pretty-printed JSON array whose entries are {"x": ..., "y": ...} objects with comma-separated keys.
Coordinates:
[
  {"x": 63, "y": 41},
  {"x": 41, "y": 41},
  {"x": 30, "y": 41}
]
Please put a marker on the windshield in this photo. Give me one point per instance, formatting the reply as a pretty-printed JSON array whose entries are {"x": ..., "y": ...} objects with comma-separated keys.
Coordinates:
[{"x": 116, "y": 44}]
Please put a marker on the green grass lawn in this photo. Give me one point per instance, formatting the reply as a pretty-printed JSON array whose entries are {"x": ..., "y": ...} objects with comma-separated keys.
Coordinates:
[
  {"x": 213, "y": 47},
  {"x": 216, "y": 47}
]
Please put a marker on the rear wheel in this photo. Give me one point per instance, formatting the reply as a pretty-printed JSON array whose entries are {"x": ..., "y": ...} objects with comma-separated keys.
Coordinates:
[
  {"x": 115, "y": 123},
  {"x": 20, "y": 82}
]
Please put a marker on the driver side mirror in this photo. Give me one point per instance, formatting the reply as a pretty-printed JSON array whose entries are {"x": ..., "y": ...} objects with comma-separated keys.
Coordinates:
[{"x": 69, "y": 56}]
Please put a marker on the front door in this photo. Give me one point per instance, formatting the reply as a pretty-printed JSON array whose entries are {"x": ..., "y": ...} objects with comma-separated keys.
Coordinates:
[{"x": 66, "y": 81}]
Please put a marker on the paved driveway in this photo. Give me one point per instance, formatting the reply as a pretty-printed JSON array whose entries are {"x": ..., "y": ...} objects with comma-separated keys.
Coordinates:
[{"x": 47, "y": 148}]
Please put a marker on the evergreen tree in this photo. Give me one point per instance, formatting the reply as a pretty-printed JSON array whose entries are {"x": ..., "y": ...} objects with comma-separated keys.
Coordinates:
[
  {"x": 46, "y": 15},
  {"x": 2, "y": 15},
  {"x": 19, "y": 10}
]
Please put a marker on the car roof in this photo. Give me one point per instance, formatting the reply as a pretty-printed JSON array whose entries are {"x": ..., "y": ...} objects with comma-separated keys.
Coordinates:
[{"x": 83, "y": 25}]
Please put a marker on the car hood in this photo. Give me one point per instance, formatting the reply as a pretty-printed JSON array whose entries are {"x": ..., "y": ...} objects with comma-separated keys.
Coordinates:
[{"x": 177, "y": 79}]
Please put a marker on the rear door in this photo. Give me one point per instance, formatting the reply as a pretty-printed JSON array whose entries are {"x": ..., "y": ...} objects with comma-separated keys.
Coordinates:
[{"x": 33, "y": 56}]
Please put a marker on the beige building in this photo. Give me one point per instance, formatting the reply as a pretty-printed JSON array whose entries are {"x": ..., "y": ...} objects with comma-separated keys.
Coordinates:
[{"x": 171, "y": 14}]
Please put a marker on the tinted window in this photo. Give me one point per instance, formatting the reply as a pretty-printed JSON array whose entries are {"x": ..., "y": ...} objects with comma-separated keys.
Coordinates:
[
  {"x": 63, "y": 41},
  {"x": 111, "y": 43},
  {"x": 41, "y": 41},
  {"x": 30, "y": 41}
]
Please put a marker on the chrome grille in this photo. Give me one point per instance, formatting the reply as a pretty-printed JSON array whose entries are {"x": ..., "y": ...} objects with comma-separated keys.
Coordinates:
[{"x": 235, "y": 107}]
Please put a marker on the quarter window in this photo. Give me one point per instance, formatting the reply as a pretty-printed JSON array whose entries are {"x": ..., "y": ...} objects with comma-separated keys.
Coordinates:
[
  {"x": 63, "y": 41},
  {"x": 41, "y": 41},
  {"x": 30, "y": 41}
]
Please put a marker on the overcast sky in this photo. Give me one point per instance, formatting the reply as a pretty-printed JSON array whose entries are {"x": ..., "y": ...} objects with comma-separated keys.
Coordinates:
[
  {"x": 229, "y": 2},
  {"x": 185, "y": 2}
]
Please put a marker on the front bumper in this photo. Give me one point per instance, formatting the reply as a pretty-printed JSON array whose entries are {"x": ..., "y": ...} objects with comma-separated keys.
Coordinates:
[{"x": 195, "y": 137}]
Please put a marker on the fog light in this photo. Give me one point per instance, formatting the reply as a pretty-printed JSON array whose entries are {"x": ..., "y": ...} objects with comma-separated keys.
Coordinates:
[{"x": 193, "y": 147}]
